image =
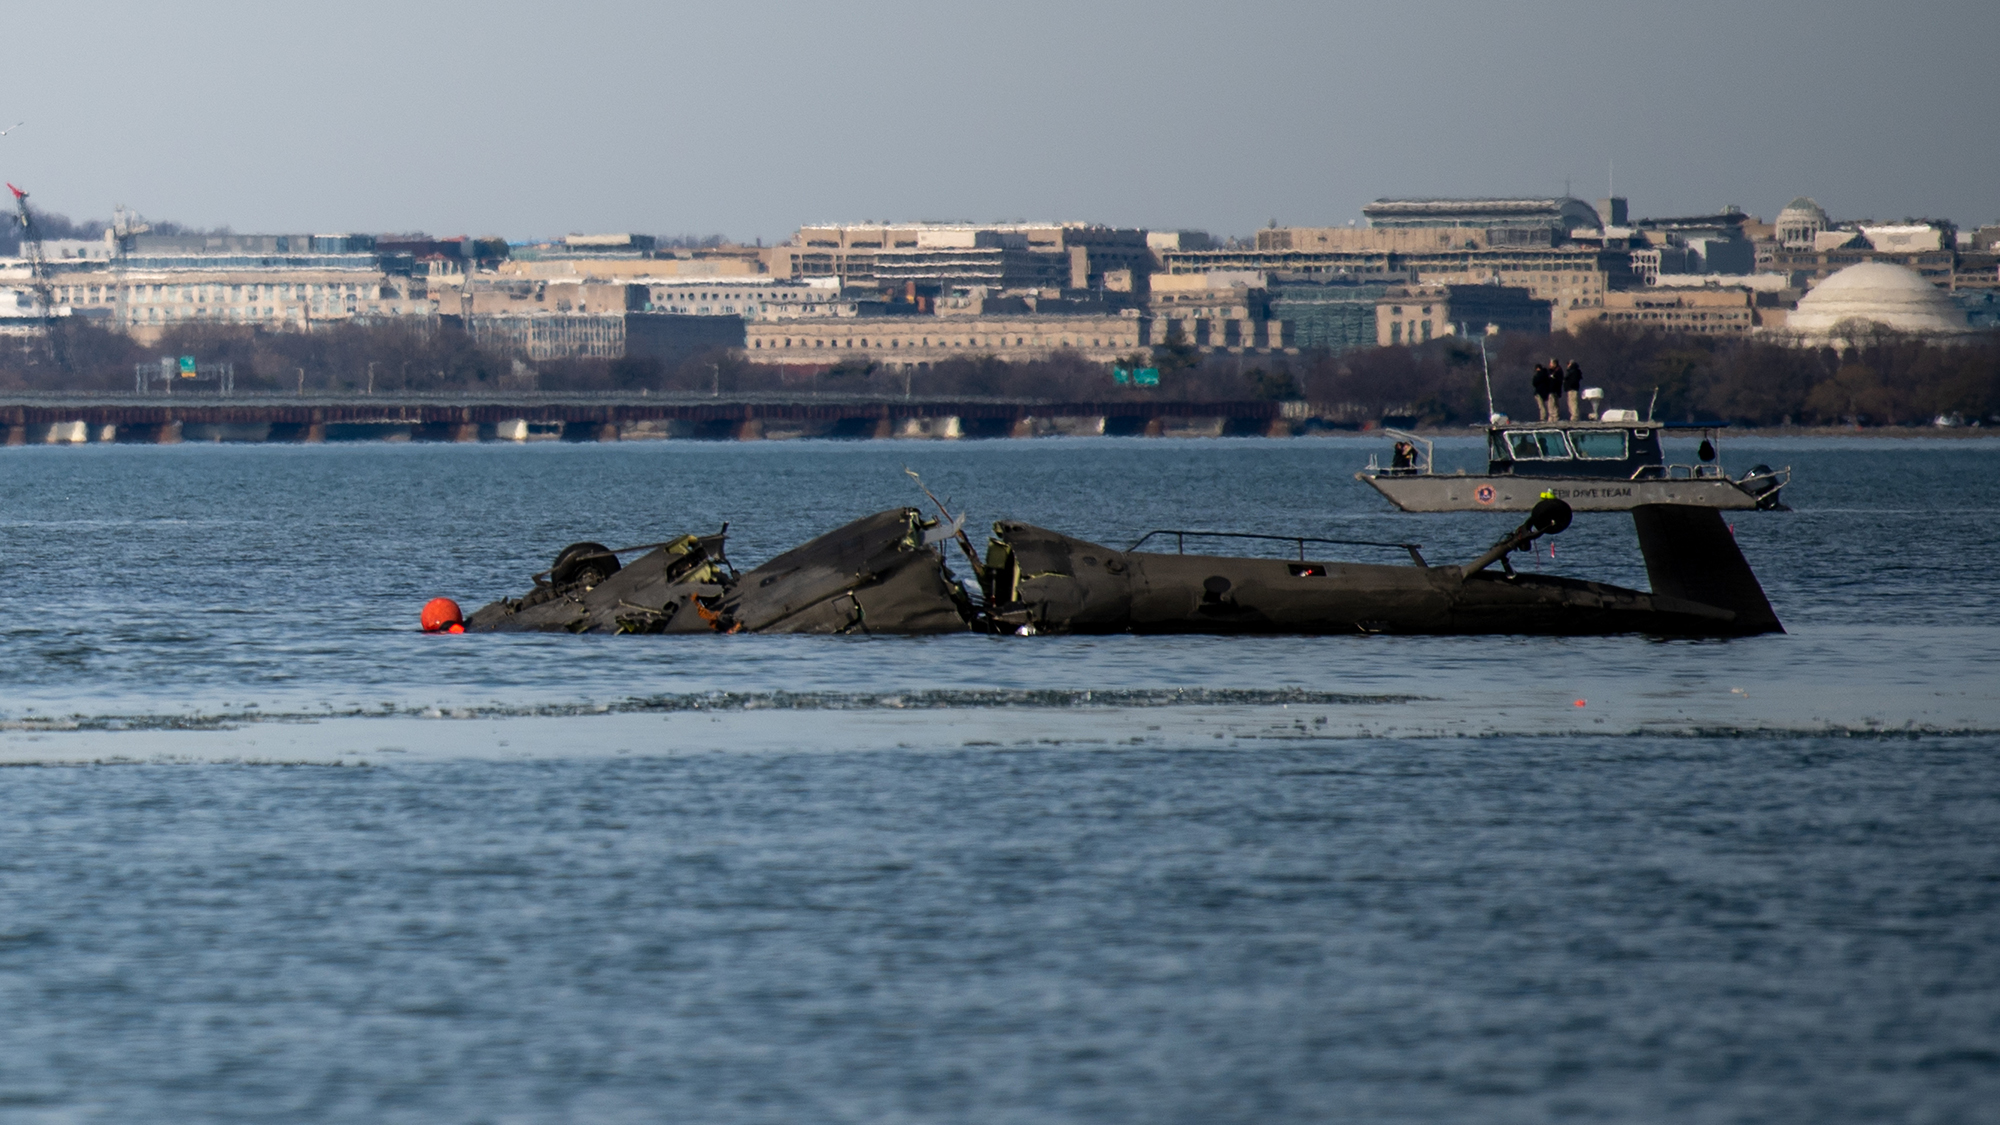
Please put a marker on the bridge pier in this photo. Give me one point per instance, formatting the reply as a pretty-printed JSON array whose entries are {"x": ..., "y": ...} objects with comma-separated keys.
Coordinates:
[
  {"x": 654, "y": 429},
  {"x": 56, "y": 433},
  {"x": 446, "y": 431},
  {"x": 255, "y": 432},
  {"x": 368, "y": 431},
  {"x": 947, "y": 428},
  {"x": 298, "y": 431},
  {"x": 17, "y": 435},
  {"x": 752, "y": 429}
]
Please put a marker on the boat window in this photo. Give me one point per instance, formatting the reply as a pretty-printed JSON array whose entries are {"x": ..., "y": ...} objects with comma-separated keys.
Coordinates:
[
  {"x": 1599, "y": 445},
  {"x": 1537, "y": 445}
]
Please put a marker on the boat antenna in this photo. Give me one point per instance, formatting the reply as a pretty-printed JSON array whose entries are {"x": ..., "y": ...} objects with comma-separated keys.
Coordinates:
[
  {"x": 1487, "y": 369},
  {"x": 1650, "y": 405}
]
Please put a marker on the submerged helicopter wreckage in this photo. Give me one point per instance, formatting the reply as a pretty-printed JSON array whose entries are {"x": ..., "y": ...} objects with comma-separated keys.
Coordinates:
[{"x": 888, "y": 574}]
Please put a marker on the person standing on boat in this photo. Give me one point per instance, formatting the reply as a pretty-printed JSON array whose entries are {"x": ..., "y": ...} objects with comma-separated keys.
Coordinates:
[
  {"x": 1573, "y": 388},
  {"x": 1543, "y": 395}
]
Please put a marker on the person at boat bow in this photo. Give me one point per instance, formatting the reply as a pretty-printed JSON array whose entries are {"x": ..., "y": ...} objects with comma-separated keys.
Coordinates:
[{"x": 1545, "y": 400}]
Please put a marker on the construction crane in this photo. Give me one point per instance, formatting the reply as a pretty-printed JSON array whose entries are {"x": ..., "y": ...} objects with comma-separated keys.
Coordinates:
[{"x": 38, "y": 276}]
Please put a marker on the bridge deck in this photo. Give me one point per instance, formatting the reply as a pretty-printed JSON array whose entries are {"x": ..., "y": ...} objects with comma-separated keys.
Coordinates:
[{"x": 134, "y": 418}]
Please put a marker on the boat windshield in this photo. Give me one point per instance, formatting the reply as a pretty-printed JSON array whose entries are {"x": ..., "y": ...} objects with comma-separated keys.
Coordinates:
[
  {"x": 1537, "y": 445},
  {"x": 1599, "y": 445}
]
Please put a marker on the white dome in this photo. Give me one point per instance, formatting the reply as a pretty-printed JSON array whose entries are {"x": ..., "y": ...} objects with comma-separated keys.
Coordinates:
[{"x": 1879, "y": 293}]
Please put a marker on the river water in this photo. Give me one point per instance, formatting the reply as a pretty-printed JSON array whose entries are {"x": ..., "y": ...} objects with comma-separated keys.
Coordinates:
[{"x": 274, "y": 855}]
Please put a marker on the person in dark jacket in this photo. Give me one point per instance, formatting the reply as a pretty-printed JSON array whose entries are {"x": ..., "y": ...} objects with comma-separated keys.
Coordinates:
[
  {"x": 1543, "y": 393},
  {"x": 1572, "y": 388}
]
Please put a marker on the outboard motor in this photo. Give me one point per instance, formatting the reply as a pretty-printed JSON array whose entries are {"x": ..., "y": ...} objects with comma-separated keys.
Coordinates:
[{"x": 1762, "y": 483}]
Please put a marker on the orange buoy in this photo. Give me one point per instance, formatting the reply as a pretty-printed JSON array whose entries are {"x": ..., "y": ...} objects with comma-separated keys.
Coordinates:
[{"x": 441, "y": 615}]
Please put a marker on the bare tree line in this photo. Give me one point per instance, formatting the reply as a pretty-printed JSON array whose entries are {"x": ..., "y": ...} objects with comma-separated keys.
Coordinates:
[{"x": 1874, "y": 378}]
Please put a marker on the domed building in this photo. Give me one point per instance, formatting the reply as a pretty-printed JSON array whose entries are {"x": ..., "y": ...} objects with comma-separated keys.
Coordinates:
[
  {"x": 1800, "y": 223},
  {"x": 1874, "y": 293}
]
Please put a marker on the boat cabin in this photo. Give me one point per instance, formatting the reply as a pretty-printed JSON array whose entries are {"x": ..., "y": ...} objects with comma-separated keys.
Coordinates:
[{"x": 1621, "y": 450}]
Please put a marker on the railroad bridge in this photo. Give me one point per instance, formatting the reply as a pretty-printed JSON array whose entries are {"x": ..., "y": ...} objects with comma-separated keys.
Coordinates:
[{"x": 134, "y": 419}]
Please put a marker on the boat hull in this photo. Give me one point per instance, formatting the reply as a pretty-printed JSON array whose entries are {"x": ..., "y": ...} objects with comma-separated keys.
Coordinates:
[{"x": 1422, "y": 493}]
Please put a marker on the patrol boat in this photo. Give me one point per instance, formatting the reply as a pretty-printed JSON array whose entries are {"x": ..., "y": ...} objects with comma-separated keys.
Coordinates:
[{"x": 1609, "y": 464}]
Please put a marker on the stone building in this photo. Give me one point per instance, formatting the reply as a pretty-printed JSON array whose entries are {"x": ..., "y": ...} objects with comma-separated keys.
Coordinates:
[
  {"x": 144, "y": 299},
  {"x": 1704, "y": 311},
  {"x": 1394, "y": 240},
  {"x": 1571, "y": 277},
  {"x": 1807, "y": 246},
  {"x": 1800, "y": 223},
  {"x": 1418, "y": 314},
  {"x": 991, "y": 263},
  {"x": 1909, "y": 238},
  {"x": 999, "y": 255},
  {"x": 1164, "y": 241},
  {"x": 753, "y": 298},
  {"x": 1229, "y": 310},
  {"x": 1698, "y": 244},
  {"x": 553, "y": 335},
  {"x": 488, "y": 295},
  {"x": 1335, "y": 315},
  {"x": 607, "y": 335},
  {"x": 1507, "y": 222},
  {"x": 142, "y": 284},
  {"x": 1839, "y": 249},
  {"x": 607, "y": 268},
  {"x": 909, "y": 341}
]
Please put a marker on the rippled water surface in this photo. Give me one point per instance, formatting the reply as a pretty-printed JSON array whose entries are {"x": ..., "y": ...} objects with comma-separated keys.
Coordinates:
[{"x": 971, "y": 878}]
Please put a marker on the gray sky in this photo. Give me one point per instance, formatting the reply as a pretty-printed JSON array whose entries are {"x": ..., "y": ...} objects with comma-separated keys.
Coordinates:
[{"x": 749, "y": 118}]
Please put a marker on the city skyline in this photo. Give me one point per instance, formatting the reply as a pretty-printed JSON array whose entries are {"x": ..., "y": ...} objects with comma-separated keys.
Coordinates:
[{"x": 753, "y": 123}]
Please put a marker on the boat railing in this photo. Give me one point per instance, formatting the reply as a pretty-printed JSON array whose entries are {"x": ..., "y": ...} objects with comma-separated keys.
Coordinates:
[
  {"x": 1426, "y": 461},
  {"x": 1181, "y": 536},
  {"x": 1712, "y": 471}
]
